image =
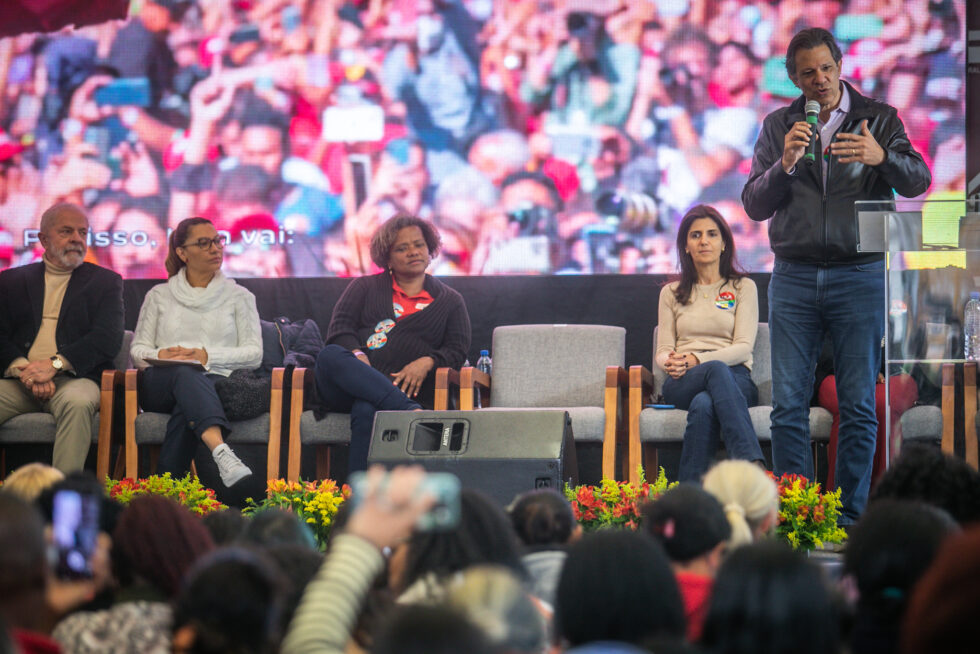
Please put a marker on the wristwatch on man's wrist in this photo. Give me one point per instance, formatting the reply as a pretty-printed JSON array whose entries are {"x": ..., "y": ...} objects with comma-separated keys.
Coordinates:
[{"x": 57, "y": 363}]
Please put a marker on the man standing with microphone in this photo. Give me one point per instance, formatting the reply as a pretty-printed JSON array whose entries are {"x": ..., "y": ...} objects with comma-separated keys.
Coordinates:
[{"x": 814, "y": 159}]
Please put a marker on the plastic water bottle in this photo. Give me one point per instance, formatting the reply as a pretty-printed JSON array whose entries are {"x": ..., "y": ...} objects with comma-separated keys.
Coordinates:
[
  {"x": 483, "y": 364},
  {"x": 971, "y": 328}
]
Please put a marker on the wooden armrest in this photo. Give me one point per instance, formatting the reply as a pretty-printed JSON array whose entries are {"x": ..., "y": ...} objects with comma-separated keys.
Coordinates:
[
  {"x": 130, "y": 383},
  {"x": 446, "y": 378},
  {"x": 472, "y": 380},
  {"x": 112, "y": 380},
  {"x": 616, "y": 393},
  {"x": 298, "y": 384},
  {"x": 275, "y": 423},
  {"x": 640, "y": 390}
]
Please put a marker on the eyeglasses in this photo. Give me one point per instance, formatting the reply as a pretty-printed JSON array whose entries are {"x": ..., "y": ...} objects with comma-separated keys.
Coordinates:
[{"x": 206, "y": 243}]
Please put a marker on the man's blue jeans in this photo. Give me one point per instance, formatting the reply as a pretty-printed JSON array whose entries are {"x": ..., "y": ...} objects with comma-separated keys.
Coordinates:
[
  {"x": 717, "y": 400},
  {"x": 348, "y": 385},
  {"x": 848, "y": 302}
]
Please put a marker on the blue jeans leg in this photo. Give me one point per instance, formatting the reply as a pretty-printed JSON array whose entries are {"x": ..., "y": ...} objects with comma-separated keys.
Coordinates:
[
  {"x": 717, "y": 399},
  {"x": 191, "y": 400},
  {"x": 346, "y": 384},
  {"x": 855, "y": 316},
  {"x": 848, "y": 302},
  {"x": 796, "y": 332}
]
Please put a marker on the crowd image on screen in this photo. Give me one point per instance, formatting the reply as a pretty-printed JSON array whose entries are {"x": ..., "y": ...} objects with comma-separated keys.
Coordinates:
[{"x": 540, "y": 136}]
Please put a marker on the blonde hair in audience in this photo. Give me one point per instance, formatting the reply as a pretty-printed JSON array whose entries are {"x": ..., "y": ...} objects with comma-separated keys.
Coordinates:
[
  {"x": 29, "y": 481},
  {"x": 748, "y": 495},
  {"x": 496, "y": 601}
]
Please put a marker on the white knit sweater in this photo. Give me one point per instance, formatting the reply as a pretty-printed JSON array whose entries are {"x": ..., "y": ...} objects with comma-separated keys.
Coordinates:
[{"x": 220, "y": 318}]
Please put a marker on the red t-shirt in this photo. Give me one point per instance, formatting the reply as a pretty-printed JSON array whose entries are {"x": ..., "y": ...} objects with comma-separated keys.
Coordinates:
[
  {"x": 406, "y": 305},
  {"x": 696, "y": 593}
]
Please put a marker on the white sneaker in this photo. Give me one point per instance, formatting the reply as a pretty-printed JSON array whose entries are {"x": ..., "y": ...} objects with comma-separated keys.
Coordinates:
[{"x": 230, "y": 467}]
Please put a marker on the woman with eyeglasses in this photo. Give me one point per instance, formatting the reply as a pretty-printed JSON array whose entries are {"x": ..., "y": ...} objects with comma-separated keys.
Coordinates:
[{"x": 198, "y": 315}]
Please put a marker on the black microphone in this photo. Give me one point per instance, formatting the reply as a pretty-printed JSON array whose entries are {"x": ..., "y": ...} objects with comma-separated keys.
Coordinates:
[{"x": 812, "y": 109}]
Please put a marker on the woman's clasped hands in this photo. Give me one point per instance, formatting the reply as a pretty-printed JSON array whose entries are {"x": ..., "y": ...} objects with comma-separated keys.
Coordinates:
[
  {"x": 184, "y": 353},
  {"x": 678, "y": 364}
]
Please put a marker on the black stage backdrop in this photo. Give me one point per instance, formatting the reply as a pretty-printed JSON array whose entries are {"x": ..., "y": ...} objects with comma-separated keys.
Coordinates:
[{"x": 628, "y": 301}]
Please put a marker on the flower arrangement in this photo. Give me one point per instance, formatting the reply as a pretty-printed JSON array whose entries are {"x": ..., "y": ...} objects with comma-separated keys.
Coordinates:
[
  {"x": 187, "y": 491},
  {"x": 316, "y": 503},
  {"x": 614, "y": 503},
  {"x": 807, "y": 517}
]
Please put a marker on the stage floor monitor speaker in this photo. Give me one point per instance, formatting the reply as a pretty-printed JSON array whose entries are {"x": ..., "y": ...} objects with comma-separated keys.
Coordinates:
[{"x": 500, "y": 453}]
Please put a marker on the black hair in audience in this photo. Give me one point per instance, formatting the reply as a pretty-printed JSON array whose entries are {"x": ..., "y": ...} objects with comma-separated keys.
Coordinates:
[
  {"x": 542, "y": 518},
  {"x": 225, "y": 526},
  {"x": 923, "y": 472},
  {"x": 270, "y": 527},
  {"x": 484, "y": 535},
  {"x": 297, "y": 565},
  {"x": 618, "y": 586},
  {"x": 768, "y": 599},
  {"x": 890, "y": 548},
  {"x": 23, "y": 564},
  {"x": 688, "y": 521},
  {"x": 422, "y": 629},
  {"x": 231, "y": 602}
]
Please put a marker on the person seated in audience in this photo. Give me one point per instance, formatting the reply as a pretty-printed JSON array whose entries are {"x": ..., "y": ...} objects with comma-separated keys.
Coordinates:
[
  {"x": 29, "y": 481},
  {"x": 420, "y": 568},
  {"x": 230, "y": 601},
  {"x": 389, "y": 332},
  {"x": 544, "y": 523},
  {"x": 617, "y": 593},
  {"x": 197, "y": 316},
  {"x": 439, "y": 629},
  {"x": 889, "y": 549},
  {"x": 271, "y": 527},
  {"x": 768, "y": 599},
  {"x": 24, "y": 575},
  {"x": 749, "y": 498},
  {"x": 926, "y": 473},
  {"x": 154, "y": 544},
  {"x": 707, "y": 326},
  {"x": 497, "y": 602},
  {"x": 692, "y": 527},
  {"x": 942, "y": 610},
  {"x": 61, "y": 325}
]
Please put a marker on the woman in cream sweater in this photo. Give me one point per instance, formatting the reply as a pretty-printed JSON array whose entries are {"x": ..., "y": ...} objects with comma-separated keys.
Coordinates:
[
  {"x": 707, "y": 324},
  {"x": 197, "y": 315}
]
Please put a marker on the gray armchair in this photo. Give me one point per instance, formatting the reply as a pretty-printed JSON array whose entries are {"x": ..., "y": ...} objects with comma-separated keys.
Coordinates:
[
  {"x": 575, "y": 368},
  {"x": 39, "y": 428}
]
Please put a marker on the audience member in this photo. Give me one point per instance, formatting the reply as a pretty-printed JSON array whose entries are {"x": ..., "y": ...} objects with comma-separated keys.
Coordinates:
[
  {"x": 617, "y": 593},
  {"x": 29, "y": 481},
  {"x": 230, "y": 601},
  {"x": 155, "y": 543},
  {"x": 224, "y": 526},
  {"x": 925, "y": 473},
  {"x": 496, "y": 601},
  {"x": 420, "y": 568},
  {"x": 692, "y": 527},
  {"x": 198, "y": 316},
  {"x": 942, "y": 609},
  {"x": 297, "y": 565},
  {"x": 544, "y": 523},
  {"x": 421, "y": 629},
  {"x": 748, "y": 496},
  {"x": 888, "y": 551},
  {"x": 61, "y": 325},
  {"x": 275, "y": 527},
  {"x": 768, "y": 599}
]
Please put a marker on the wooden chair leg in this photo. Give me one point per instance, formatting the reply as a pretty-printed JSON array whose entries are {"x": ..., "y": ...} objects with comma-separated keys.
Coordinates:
[
  {"x": 323, "y": 462},
  {"x": 651, "y": 461},
  {"x": 154, "y": 452},
  {"x": 970, "y": 412},
  {"x": 949, "y": 408}
]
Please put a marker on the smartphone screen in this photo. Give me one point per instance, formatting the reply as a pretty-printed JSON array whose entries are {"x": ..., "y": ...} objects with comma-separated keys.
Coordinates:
[
  {"x": 125, "y": 91},
  {"x": 75, "y": 530},
  {"x": 361, "y": 172},
  {"x": 443, "y": 486}
]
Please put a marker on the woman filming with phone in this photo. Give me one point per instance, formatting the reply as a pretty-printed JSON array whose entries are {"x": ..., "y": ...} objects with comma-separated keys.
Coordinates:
[
  {"x": 196, "y": 328},
  {"x": 707, "y": 323},
  {"x": 389, "y": 332}
]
